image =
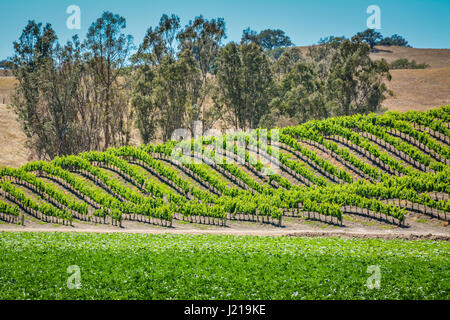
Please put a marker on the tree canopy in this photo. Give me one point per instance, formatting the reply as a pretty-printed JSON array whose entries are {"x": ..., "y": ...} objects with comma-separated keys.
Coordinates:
[
  {"x": 88, "y": 95},
  {"x": 269, "y": 39}
]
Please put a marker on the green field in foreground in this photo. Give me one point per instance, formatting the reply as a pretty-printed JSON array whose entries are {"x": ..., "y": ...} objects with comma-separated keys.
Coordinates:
[{"x": 138, "y": 266}]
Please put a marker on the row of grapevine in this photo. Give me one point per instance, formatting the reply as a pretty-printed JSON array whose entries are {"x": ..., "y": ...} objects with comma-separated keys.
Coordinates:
[
  {"x": 9, "y": 213},
  {"x": 311, "y": 137},
  {"x": 365, "y": 124},
  {"x": 214, "y": 189}
]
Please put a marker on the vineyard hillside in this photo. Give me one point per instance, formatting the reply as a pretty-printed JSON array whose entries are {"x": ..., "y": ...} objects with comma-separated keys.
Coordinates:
[{"x": 364, "y": 174}]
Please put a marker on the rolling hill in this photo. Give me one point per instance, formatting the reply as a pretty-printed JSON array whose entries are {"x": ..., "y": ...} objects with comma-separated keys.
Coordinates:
[
  {"x": 371, "y": 171},
  {"x": 420, "y": 90}
]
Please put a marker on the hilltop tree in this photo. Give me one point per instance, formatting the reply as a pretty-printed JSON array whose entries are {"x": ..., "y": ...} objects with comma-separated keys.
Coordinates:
[
  {"x": 249, "y": 36},
  {"x": 355, "y": 82},
  {"x": 69, "y": 98},
  {"x": 144, "y": 109},
  {"x": 32, "y": 53},
  {"x": 172, "y": 92},
  {"x": 156, "y": 49},
  {"x": 158, "y": 43},
  {"x": 228, "y": 98},
  {"x": 301, "y": 94},
  {"x": 166, "y": 80},
  {"x": 394, "y": 40},
  {"x": 6, "y": 64},
  {"x": 321, "y": 55},
  {"x": 49, "y": 94},
  {"x": 269, "y": 39},
  {"x": 286, "y": 62},
  {"x": 333, "y": 79},
  {"x": 371, "y": 37}
]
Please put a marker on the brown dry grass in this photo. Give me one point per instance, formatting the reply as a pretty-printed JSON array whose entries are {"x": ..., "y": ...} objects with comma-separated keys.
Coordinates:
[
  {"x": 6, "y": 88},
  {"x": 7, "y": 83},
  {"x": 436, "y": 58},
  {"x": 420, "y": 89},
  {"x": 12, "y": 140}
]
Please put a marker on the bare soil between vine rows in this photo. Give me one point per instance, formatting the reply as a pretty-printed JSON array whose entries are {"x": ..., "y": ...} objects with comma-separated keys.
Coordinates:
[{"x": 418, "y": 227}]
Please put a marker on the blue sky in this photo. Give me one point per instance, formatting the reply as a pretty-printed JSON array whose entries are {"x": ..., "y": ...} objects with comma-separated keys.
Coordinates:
[{"x": 424, "y": 23}]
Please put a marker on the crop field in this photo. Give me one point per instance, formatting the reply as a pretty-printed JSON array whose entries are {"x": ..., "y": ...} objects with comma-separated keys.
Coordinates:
[
  {"x": 165, "y": 159},
  {"x": 381, "y": 167},
  {"x": 137, "y": 266},
  {"x": 391, "y": 170}
]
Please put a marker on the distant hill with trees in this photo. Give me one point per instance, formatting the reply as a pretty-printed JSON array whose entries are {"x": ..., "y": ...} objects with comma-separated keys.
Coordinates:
[{"x": 81, "y": 96}]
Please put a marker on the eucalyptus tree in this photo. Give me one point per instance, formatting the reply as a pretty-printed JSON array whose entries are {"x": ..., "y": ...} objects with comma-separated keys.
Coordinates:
[
  {"x": 202, "y": 38},
  {"x": 244, "y": 84},
  {"x": 47, "y": 96},
  {"x": 355, "y": 82},
  {"x": 163, "y": 92},
  {"x": 108, "y": 50}
]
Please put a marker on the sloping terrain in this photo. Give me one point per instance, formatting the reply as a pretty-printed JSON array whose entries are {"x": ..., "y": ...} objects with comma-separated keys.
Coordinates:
[
  {"x": 12, "y": 140},
  {"x": 374, "y": 174},
  {"x": 436, "y": 58},
  {"x": 420, "y": 90}
]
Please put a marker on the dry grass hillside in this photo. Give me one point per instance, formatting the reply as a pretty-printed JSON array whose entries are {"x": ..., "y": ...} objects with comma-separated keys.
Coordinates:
[
  {"x": 12, "y": 139},
  {"x": 420, "y": 89},
  {"x": 6, "y": 88},
  {"x": 436, "y": 58}
]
